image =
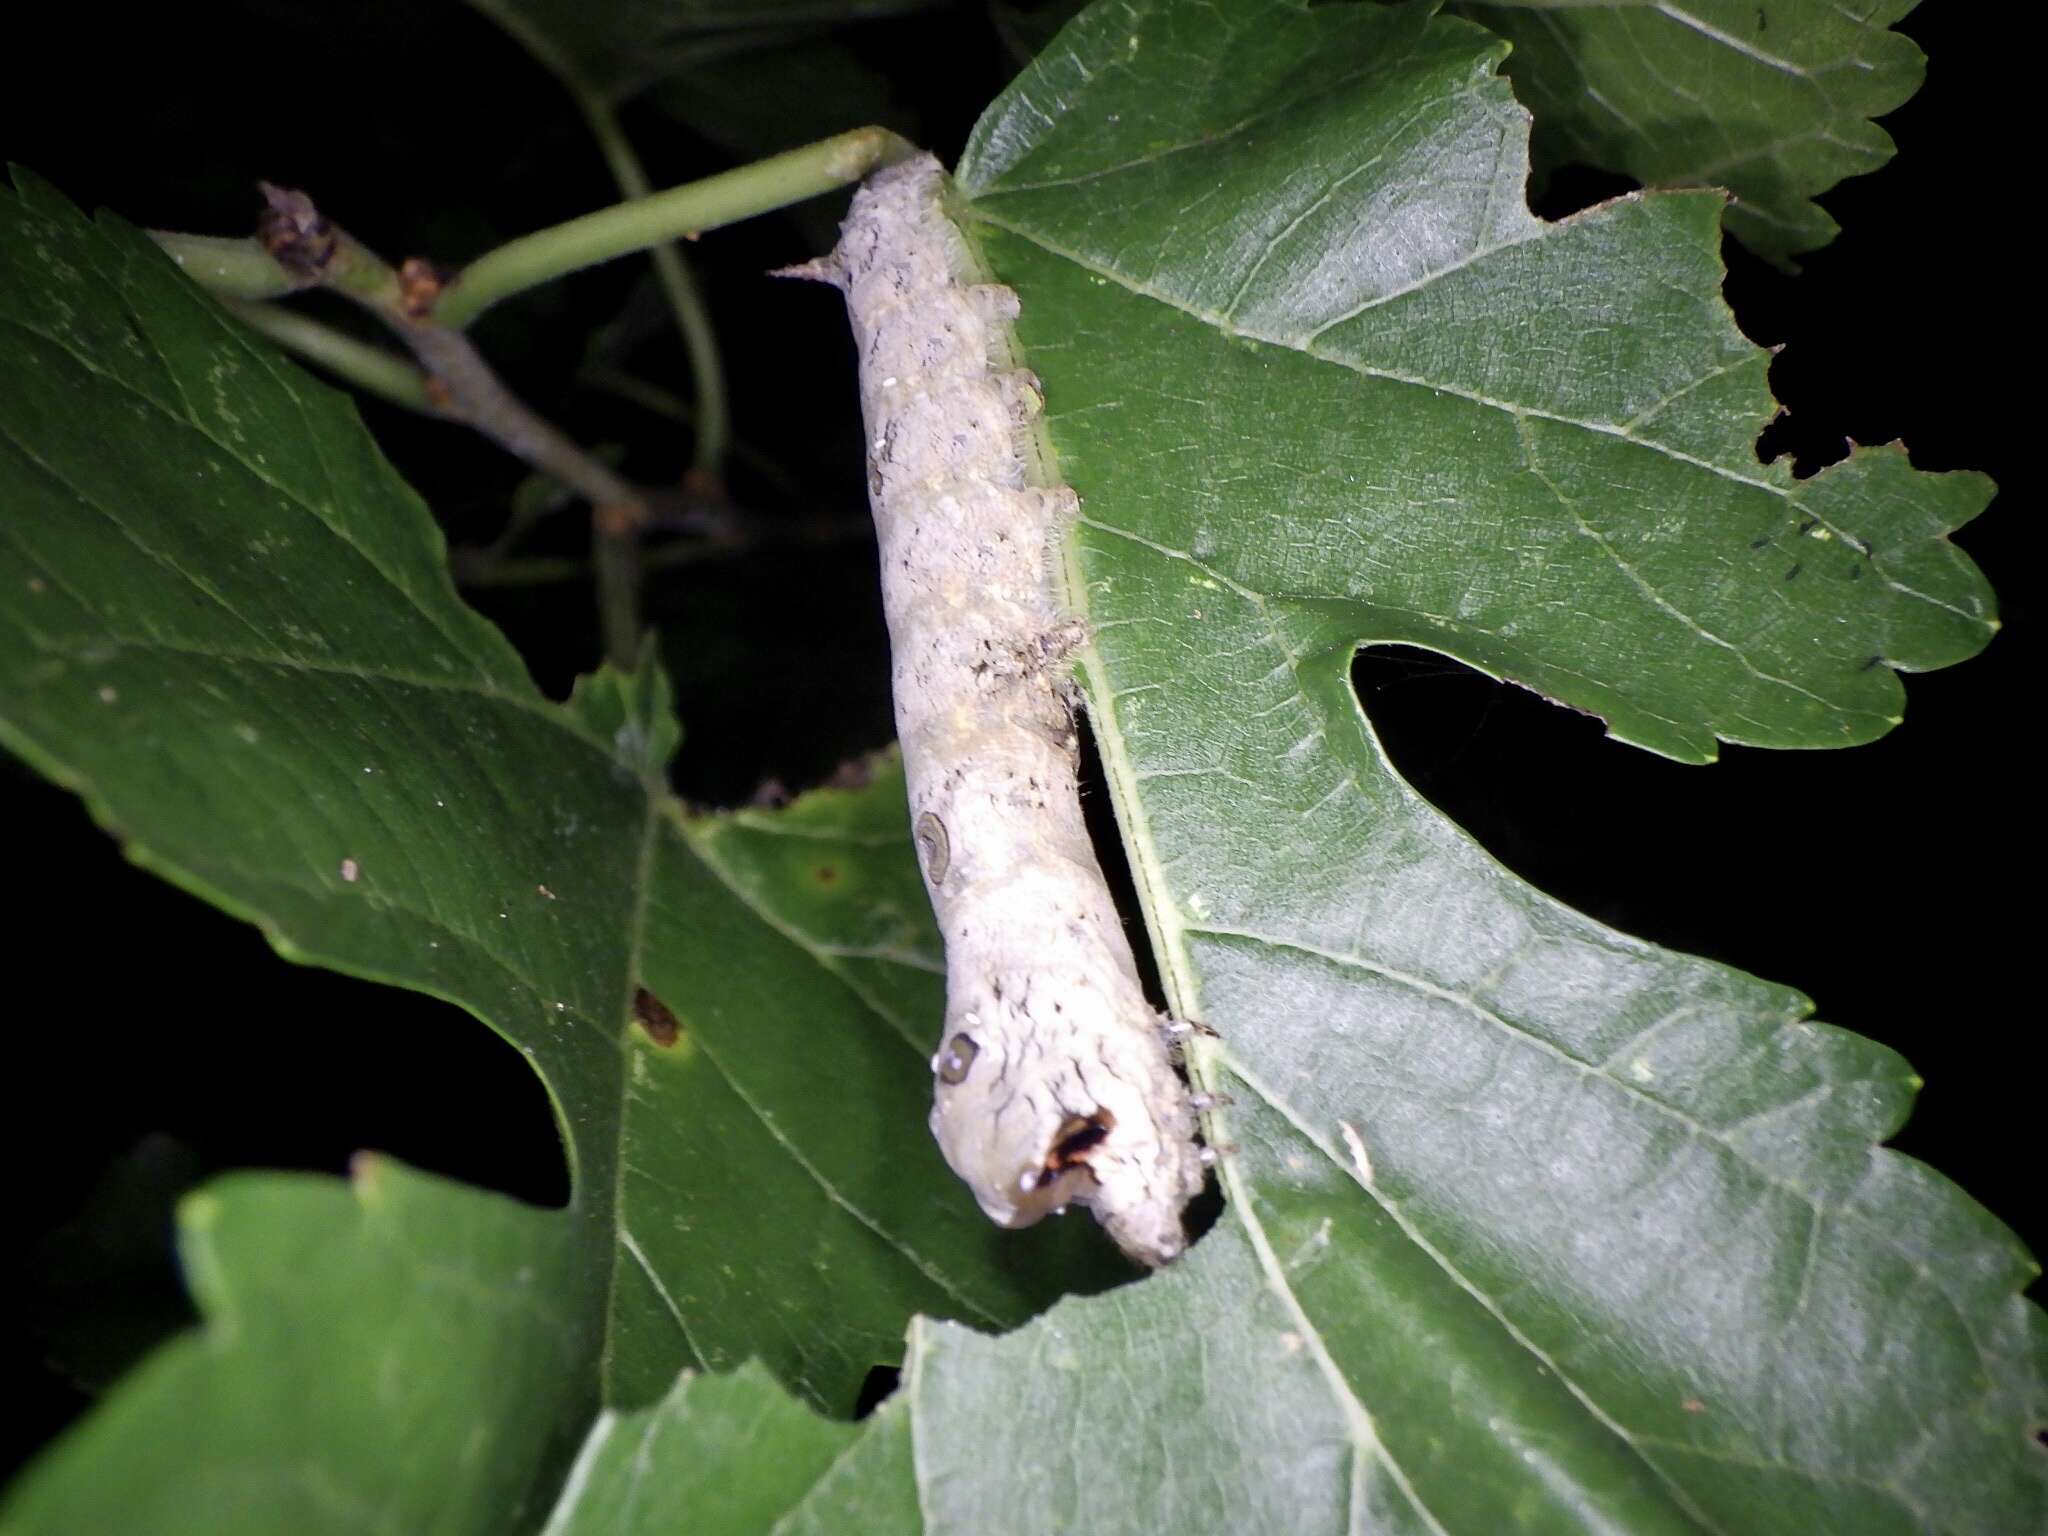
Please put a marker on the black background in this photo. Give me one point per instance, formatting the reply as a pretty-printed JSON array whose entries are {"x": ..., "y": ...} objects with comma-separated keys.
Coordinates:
[{"x": 1895, "y": 884}]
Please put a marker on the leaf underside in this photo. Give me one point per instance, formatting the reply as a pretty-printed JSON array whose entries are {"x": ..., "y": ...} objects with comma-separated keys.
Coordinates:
[{"x": 1531, "y": 1227}]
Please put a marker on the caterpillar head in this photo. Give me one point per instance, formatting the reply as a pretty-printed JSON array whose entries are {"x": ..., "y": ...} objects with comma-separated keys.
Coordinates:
[{"x": 1032, "y": 1129}]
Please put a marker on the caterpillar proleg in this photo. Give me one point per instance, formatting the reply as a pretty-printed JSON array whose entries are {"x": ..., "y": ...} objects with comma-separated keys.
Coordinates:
[{"x": 1053, "y": 1080}]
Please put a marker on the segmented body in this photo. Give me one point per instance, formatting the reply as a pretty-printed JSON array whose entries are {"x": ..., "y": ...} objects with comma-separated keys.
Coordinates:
[{"x": 1054, "y": 1081}]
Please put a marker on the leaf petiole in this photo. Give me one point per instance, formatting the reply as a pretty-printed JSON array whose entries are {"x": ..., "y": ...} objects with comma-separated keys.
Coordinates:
[
  {"x": 370, "y": 368},
  {"x": 233, "y": 267},
  {"x": 677, "y": 213}
]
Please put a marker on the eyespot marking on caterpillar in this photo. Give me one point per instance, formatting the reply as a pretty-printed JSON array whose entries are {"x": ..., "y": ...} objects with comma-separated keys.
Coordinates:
[
  {"x": 934, "y": 848},
  {"x": 952, "y": 1065}
]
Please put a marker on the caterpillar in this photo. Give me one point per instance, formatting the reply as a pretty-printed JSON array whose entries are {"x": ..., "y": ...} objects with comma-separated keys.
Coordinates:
[{"x": 1054, "y": 1080}]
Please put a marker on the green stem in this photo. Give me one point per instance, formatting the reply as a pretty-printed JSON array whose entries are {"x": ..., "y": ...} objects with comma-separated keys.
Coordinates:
[
  {"x": 370, "y": 368},
  {"x": 234, "y": 269},
  {"x": 615, "y": 562},
  {"x": 462, "y": 384},
  {"x": 685, "y": 299},
  {"x": 678, "y": 212}
]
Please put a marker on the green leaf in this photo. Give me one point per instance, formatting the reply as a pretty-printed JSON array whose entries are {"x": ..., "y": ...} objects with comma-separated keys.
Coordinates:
[
  {"x": 1532, "y": 1226},
  {"x": 1772, "y": 99},
  {"x": 401, "y": 1354},
  {"x": 1535, "y": 1226},
  {"x": 227, "y": 624},
  {"x": 729, "y": 1454},
  {"x": 1559, "y": 483}
]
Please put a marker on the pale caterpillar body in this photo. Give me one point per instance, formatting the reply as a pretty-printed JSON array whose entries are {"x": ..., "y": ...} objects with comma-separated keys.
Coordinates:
[{"x": 1054, "y": 1078}]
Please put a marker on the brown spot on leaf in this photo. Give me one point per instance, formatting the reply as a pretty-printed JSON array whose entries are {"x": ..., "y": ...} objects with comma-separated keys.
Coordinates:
[
  {"x": 653, "y": 1016},
  {"x": 826, "y": 874}
]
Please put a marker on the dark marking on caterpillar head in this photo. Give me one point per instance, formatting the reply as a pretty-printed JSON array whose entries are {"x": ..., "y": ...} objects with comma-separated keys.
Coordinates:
[
  {"x": 653, "y": 1016},
  {"x": 1077, "y": 1139},
  {"x": 934, "y": 848},
  {"x": 1065, "y": 1175}
]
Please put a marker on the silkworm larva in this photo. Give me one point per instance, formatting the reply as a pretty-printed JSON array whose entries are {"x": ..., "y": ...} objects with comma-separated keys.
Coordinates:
[{"x": 1054, "y": 1081}]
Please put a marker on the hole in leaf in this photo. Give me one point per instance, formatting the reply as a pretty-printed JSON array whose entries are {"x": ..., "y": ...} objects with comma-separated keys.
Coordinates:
[
  {"x": 1626, "y": 837},
  {"x": 1570, "y": 189},
  {"x": 1205, "y": 1209},
  {"x": 1805, "y": 868},
  {"x": 880, "y": 1384},
  {"x": 1100, "y": 814}
]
